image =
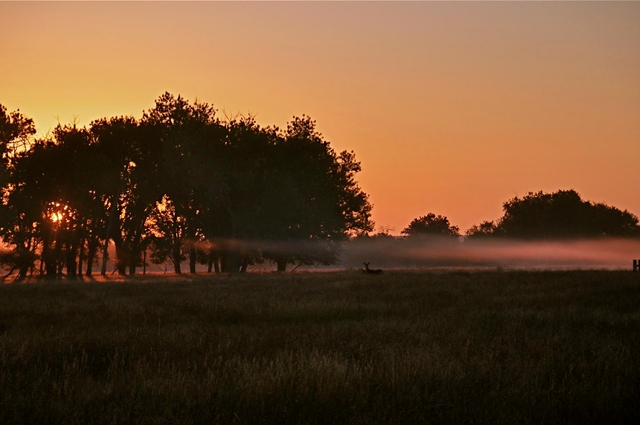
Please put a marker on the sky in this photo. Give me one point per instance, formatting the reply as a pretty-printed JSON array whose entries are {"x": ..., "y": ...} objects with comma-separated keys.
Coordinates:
[{"x": 451, "y": 107}]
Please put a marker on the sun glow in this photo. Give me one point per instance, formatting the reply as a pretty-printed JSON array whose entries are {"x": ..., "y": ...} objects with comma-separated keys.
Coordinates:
[
  {"x": 59, "y": 213},
  {"x": 57, "y": 217}
]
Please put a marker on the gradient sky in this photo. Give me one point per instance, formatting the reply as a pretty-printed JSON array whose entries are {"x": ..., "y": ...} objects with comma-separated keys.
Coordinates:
[{"x": 452, "y": 107}]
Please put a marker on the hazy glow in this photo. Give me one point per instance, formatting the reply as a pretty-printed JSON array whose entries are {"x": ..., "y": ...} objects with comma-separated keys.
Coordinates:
[{"x": 452, "y": 107}]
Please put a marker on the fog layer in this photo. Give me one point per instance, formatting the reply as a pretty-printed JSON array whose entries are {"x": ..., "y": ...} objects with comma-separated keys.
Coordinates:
[{"x": 569, "y": 254}]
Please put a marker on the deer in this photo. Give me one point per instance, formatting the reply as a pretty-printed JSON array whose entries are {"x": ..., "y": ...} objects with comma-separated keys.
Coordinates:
[{"x": 370, "y": 271}]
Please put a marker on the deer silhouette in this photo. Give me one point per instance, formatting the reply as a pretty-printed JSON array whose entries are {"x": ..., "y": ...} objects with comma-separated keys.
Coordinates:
[{"x": 370, "y": 271}]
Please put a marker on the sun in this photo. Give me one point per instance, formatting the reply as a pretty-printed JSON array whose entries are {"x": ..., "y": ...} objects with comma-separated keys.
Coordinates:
[
  {"x": 56, "y": 217},
  {"x": 59, "y": 212}
]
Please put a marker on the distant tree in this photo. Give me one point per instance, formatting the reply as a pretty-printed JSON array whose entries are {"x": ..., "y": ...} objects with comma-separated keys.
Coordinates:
[
  {"x": 431, "y": 225},
  {"x": 563, "y": 214},
  {"x": 482, "y": 230},
  {"x": 384, "y": 232}
]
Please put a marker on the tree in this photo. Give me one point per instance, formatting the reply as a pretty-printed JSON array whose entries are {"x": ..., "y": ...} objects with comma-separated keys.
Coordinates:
[
  {"x": 482, "y": 230},
  {"x": 431, "y": 225},
  {"x": 563, "y": 214},
  {"x": 128, "y": 187},
  {"x": 16, "y": 132},
  {"x": 310, "y": 206},
  {"x": 186, "y": 135}
]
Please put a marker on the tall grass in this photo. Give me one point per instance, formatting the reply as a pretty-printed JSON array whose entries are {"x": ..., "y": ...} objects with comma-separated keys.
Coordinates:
[{"x": 404, "y": 347}]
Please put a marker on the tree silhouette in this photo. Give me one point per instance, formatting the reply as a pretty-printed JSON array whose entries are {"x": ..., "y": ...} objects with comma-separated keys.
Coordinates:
[
  {"x": 128, "y": 186},
  {"x": 316, "y": 202},
  {"x": 482, "y": 230},
  {"x": 182, "y": 182},
  {"x": 562, "y": 214},
  {"x": 16, "y": 219},
  {"x": 186, "y": 134},
  {"x": 431, "y": 225},
  {"x": 15, "y": 133}
]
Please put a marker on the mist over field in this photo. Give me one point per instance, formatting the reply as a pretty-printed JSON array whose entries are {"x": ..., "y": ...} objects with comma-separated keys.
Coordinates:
[
  {"x": 452, "y": 252},
  {"x": 457, "y": 253}
]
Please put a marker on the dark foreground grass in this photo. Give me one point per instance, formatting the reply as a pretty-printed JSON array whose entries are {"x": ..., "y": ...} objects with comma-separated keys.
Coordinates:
[{"x": 325, "y": 348}]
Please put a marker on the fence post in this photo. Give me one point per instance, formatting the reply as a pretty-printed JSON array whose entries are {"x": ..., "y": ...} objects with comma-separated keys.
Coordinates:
[{"x": 636, "y": 265}]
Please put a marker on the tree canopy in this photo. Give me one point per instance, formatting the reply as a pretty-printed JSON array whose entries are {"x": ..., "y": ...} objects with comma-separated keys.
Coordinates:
[
  {"x": 180, "y": 183},
  {"x": 431, "y": 225},
  {"x": 562, "y": 214}
]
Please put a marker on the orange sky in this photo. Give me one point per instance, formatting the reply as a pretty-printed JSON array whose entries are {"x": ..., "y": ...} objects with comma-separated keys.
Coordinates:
[{"x": 452, "y": 107}]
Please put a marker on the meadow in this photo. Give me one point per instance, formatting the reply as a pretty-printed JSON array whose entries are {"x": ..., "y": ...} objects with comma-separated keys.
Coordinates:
[{"x": 442, "y": 347}]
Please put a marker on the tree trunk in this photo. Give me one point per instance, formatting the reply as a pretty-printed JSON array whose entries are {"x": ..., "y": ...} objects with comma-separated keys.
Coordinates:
[
  {"x": 51, "y": 266},
  {"x": 213, "y": 261},
  {"x": 224, "y": 263},
  {"x": 134, "y": 256},
  {"x": 22, "y": 274},
  {"x": 105, "y": 253},
  {"x": 122, "y": 257},
  {"x": 59, "y": 263},
  {"x": 192, "y": 258},
  {"x": 230, "y": 261},
  {"x": 245, "y": 264},
  {"x": 133, "y": 261},
  {"x": 42, "y": 261},
  {"x": 23, "y": 255},
  {"x": 91, "y": 253},
  {"x": 72, "y": 265},
  {"x": 80, "y": 256},
  {"x": 282, "y": 264},
  {"x": 176, "y": 258},
  {"x": 47, "y": 262}
]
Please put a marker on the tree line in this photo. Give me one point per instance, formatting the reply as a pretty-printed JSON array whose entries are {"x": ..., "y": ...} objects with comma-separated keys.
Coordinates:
[
  {"x": 178, "y": 184},
  {"x": 559, "y": 215},
  {"x": 182, "y": 184}
]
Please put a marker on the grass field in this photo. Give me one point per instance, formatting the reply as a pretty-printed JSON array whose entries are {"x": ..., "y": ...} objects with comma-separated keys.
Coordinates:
[{"x": 324, "y": 348}]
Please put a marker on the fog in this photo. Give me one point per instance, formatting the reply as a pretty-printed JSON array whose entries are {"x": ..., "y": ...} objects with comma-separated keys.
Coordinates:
[
  {"x": 448, "y": 253},
  {"x": 467, "y": 253},
  {"x": 456, "y": 253}
]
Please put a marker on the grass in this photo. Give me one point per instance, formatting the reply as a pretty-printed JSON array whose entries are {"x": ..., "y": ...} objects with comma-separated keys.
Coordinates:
[{"x": 320, "y": 348}]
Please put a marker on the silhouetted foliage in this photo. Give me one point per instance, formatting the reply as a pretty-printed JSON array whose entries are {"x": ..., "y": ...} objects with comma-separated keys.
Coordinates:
[
  {"x": 562, "y": 214},
  {"x": 16, "y": 131},
  {"x": 482, "y": 230},
  {"x": 178, "y": 181},
  {"x": 431, "y": 225}
]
